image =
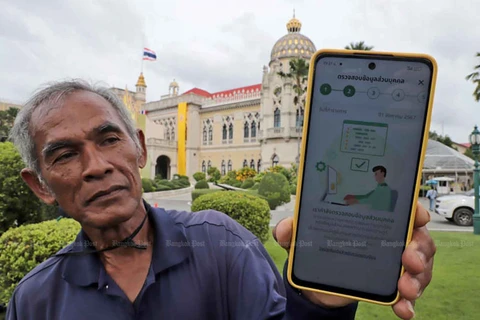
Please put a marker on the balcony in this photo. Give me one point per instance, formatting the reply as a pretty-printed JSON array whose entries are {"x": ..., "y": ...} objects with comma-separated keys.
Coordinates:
[
  {"x": 275, "y": 132},
  {"x": 296, "y": 132},
  {"x": 161, "y": 143}
]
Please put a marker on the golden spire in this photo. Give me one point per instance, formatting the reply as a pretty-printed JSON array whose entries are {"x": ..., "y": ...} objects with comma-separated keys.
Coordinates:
[
  {"x": 141, "y": 81},
  {"x": 294, "y": 25}
]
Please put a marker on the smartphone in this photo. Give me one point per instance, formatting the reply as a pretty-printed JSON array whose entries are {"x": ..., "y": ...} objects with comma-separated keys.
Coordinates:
[{"x": 367, "y": 118}]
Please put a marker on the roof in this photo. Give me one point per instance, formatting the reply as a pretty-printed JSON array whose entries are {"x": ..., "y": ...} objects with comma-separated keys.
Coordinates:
[
  {"x": 199, "y": 92},
  {"x": 440, "y": 156},
  {"x": 225, "y": 93}
]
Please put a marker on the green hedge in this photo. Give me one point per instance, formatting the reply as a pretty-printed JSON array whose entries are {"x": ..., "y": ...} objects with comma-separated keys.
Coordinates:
[
  {"x": 275, "y": 187},
  {"x": 202, "y": 184},
  {"x": 200, "y": 192},
  {"x": 250, "y": 211},
  {"x": 199, "y": 176},
  {"x": 25, "y": 247},
  {"x": 248, "y": 183}
]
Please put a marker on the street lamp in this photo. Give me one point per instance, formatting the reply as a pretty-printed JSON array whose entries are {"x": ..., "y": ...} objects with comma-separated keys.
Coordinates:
[{"x": 475, "y": 143}]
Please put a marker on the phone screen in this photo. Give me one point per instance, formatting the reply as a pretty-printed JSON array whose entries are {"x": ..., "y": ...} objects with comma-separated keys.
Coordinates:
[{"x": 365, "y": 134}]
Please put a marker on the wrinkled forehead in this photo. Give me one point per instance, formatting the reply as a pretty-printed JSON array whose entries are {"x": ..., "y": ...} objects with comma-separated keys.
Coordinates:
[{"x": 73, "y": 114}]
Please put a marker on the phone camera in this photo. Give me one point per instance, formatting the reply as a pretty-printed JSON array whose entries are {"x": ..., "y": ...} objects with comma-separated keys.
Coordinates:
[{"x": 371, "y": 66}]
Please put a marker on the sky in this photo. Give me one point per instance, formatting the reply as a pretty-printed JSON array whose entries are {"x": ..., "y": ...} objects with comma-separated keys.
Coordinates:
[{"x": 218, "y": 45}]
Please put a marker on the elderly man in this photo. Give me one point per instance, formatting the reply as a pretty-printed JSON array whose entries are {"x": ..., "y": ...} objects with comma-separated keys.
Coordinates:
[{"x": 83, "y": 152}]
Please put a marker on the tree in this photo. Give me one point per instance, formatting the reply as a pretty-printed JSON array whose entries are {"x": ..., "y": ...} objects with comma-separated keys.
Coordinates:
[
  {"x": 18, "y": 204},
  {"x": 7, "y": 117},
  {"x": 442, "y": 139},
  {"x": 475, "y": 78},
  {"x": 359, "y": 46},
  {"x": 299, "y": 74}
]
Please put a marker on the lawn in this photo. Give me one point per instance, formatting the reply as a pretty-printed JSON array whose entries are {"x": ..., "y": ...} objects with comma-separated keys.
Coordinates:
[{"x": 454, "y": 290}]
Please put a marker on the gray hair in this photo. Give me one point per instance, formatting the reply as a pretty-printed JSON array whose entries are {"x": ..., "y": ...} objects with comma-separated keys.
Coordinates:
[{"x": 54, "y": 94}]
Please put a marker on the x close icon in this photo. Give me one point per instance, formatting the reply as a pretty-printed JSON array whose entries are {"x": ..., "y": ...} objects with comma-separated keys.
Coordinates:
[{"x": 420, "y": 82}]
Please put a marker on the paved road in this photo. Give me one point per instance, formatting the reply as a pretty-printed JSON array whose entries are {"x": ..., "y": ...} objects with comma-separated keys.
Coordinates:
[{"x": 183, "y": 202}]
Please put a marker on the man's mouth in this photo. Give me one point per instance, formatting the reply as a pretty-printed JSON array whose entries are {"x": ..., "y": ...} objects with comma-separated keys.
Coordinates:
[{"x": 105, "y": 193}]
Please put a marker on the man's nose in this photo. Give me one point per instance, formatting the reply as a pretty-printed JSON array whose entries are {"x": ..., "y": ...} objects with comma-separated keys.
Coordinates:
[{"x": 95, "y": 164}]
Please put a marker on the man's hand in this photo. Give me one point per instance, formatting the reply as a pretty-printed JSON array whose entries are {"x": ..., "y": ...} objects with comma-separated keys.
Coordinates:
[{"x": 417, "y": 260}]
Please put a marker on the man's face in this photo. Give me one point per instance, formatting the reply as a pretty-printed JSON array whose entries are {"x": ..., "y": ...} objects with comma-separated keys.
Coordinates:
[
  {"x": 379, "y": 176},
  {"x": 88, "y": 160}
]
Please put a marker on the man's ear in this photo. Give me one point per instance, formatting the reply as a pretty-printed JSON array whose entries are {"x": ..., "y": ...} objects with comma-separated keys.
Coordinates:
[
  {"x": 40, "y": 190},
  {"x": 142, "y": 157}
]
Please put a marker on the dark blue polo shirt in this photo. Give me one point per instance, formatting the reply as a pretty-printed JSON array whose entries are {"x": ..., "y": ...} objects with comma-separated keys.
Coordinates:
[{"x": 204, "y": 266}]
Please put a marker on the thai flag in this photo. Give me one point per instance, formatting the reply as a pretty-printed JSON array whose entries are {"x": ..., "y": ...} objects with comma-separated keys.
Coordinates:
[{"x": 149, "y": 55}]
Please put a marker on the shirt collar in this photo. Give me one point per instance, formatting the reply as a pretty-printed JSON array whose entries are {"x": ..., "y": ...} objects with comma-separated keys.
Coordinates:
[{"x": 169, "y": 249}]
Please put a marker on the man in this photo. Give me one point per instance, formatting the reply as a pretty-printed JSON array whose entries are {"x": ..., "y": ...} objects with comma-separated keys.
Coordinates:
[
  {"x": 132, "y": 261},
  {"x": 379, "y": 198},
  {"x": 432, "y": 195}
]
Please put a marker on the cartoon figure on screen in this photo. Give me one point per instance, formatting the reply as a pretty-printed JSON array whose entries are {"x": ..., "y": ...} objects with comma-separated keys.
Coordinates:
[{"x": 382, "y": 198}]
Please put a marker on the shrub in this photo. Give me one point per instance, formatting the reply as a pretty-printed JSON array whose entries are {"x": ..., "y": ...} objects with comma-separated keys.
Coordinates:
[
  {"x": 202, "y": 184},
  {"x": 177, "y": 176},
  {"x": 214, "y": 174},
  {"x": 236, "y": 184},
  {"x": 275, "y": 187},
  {"x": 245, "y": 173},
  {"x": 251, "y": 212},
  {"x": 162, "y": 187},
  {"x": 247, "y": 184},
  {"x": 259, "y": 177},
  {"x": 282, "y": 170},
  {"x": 199, "y": 176},
  {"x": 255, "y": 186},
  {"x": 293, "y": 189},
  {"x": 23, "y": 248},
  {"x": 147, "y": 185},
  {"x": 200, "y": 192},
  {"x": 18, "y": 204}
]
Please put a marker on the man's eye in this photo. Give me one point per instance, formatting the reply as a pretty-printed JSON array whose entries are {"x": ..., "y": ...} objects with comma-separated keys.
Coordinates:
[
  {"x": 64, "y": 156},
  {"x": 111, "y": 140}
]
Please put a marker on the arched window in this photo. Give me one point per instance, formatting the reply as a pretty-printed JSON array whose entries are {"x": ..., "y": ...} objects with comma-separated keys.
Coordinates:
[
  {"x": 275, "y": 160},
  {"x": 204, "y": 168},
  {"x": 253, "y": 130},
  {"x": 252, "y": 164},
  {"x": 204, "y": 135},
  {"x": 259, "y": 165},
  {"x": 245, "y": 130},
  {"x": 230, "y": 131},
  {"x": 209, "y": 165},
  {"x": 224, "y": 132},
  {"x": 299, "y": 117},
  {"x": 167, "y": 134},
  {"x": 210, "y": 134},
  {"x": 276, "y": 118},
  {"x": 245, "y": 163},
  {"x": 223, "y": 168},
  {"x": 229, "y": 165}
]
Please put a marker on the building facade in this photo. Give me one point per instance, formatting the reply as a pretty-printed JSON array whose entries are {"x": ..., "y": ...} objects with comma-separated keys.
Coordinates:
[{"x": 254, "y": 126}]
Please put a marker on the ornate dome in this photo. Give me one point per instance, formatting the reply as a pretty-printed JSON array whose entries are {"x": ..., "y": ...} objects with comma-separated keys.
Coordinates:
[{"x": 294, "y": 44}]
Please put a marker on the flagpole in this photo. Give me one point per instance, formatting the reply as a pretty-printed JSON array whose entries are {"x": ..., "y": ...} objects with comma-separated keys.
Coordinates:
[{"x": 143, "y": 40}]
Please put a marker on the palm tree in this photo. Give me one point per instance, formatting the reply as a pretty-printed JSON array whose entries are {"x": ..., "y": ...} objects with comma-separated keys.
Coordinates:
[
  {"x": 475, "y": 78},
  {"x": 299, "y": 74},
  {"x": 358, "y": 46}
]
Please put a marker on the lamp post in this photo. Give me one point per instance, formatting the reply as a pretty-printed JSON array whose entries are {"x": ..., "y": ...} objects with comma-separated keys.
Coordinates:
[{"x": 475, "y": 143}]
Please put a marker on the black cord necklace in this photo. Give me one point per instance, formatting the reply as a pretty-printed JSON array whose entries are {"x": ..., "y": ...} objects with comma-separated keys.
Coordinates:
[{"x": 127, "y": 242}]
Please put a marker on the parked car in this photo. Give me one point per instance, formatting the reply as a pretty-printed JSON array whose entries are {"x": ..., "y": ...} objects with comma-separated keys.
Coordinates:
[{"x": 457, "y": 208}]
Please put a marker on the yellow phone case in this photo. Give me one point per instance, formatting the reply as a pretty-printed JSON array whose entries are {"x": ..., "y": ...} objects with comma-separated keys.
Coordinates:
[{"x": 302, "y": 159}]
